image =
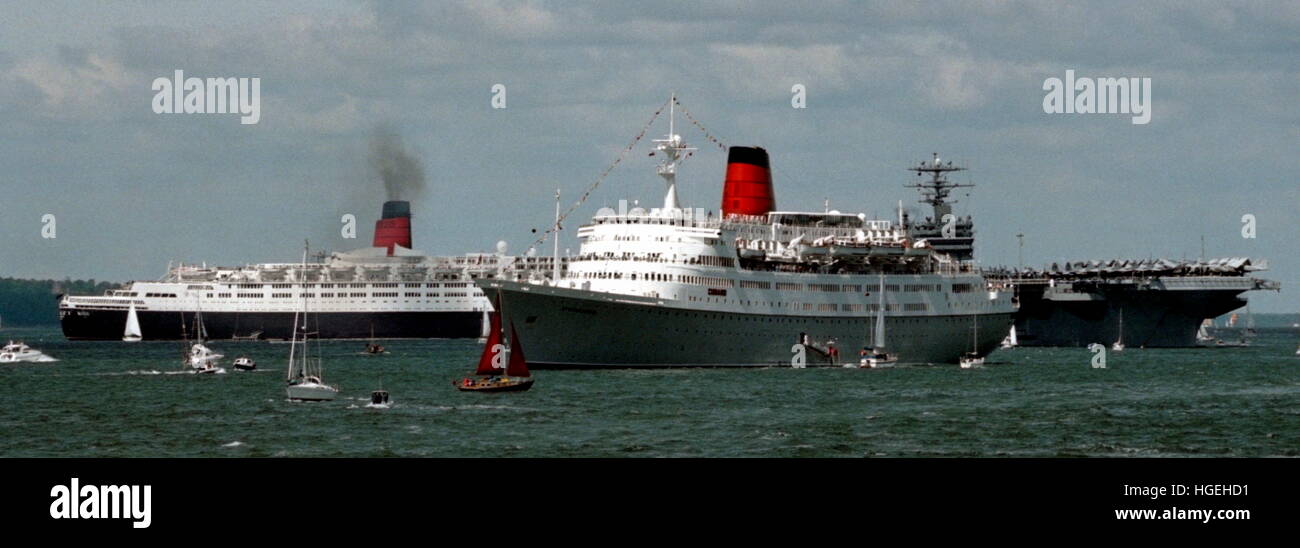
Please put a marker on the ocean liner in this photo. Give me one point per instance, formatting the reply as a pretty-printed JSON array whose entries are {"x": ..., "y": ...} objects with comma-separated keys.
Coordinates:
[
  {"x": 755, "y": 286},
  {"x": 384, "y": 291}
]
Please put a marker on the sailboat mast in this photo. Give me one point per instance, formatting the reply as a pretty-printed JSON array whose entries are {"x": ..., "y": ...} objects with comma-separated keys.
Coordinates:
[
  {"x": 555, "y": 255},
  {"x": 878, "y": 338},
  {"x": 505, "y": 343}
]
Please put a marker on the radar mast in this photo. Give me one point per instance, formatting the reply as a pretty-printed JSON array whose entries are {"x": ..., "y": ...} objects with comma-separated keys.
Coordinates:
[
  {"x": 935, "y": 191},
  {"x": 671, "y": 151}
]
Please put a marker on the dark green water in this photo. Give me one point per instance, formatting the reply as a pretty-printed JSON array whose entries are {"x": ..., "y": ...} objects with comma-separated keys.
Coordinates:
[{"x": 104, "y": 400}]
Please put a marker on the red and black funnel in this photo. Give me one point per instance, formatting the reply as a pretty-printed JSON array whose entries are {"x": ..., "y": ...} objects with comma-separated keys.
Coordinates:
[
  {"x": 748, "y": 187},
  {"x": 395, "y": 227}
]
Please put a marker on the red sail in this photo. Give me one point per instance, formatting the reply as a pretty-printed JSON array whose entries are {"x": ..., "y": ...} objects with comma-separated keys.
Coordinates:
[
  {"x": 492, "y": 347},
  {"x": 517, "y": 367}
]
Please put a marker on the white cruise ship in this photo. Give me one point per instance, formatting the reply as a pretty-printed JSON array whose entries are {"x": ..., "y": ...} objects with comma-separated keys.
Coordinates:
[
  {"x": 756, "y": 286},
  {"x": 384, "y": 291}
]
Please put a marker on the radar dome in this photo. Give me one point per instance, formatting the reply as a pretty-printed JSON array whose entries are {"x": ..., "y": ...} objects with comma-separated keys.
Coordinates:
[{"x": 502, "y": 247}]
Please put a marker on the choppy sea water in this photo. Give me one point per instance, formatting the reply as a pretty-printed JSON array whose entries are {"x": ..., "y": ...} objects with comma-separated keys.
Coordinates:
[{"x": 111, "y": 399}]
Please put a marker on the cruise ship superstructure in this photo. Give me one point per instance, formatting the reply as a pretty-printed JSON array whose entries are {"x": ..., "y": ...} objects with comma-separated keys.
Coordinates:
[
  {"x": 384, "y": 291},
  {"x": 755, "y": 286}
]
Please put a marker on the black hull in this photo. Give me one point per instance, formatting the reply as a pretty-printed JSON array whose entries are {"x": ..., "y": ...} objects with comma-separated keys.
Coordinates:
[{"x": 108, "y": 325}]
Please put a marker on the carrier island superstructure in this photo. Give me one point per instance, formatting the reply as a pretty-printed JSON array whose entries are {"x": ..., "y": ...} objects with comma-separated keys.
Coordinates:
[
  {"x": 754, "y": 286},
  {"x": 385, "y": 291}
]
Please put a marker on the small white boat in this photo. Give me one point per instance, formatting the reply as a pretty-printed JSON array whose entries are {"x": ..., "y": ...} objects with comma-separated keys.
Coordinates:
[
  {"x": 132, "y": 331},
  {"x": 245, "y": 363},
  {"x": 201, "y": 356},
  {"x": 15, "y": 352},
  {"x": 878, "y": 359},
  {"x": 209, "y": 369},
  {"x": 970, "y": 361}
]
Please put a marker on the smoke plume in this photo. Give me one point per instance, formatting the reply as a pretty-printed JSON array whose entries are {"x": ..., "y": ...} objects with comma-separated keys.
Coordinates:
[{"x": 402, "y": 173}]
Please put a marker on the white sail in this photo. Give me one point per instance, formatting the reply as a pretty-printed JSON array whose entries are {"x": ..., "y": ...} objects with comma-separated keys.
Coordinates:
[
  {"x": 1119, "y": 344},
  {"x": 1203, "y": 332},
  {"x": 306, "y": 384},
  {"x": 132, "y": 332},
  {"x": 1014, "y": 341}
]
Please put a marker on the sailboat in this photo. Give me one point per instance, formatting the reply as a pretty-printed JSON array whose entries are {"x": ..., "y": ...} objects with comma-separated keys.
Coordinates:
[
  {"x": 877, "y": 357},
  {"x": 496, "y": 359},
  {"x": 1011, "y": 341},
  {"x": 1118, "y": 345},
  {"x": 132, "y": 331},
  {"x": 304, "y": 374},
  {"x": 972, "y": 359},
  {"x": 1203, "y": 335},
  {"x": 198, "y": 357}
]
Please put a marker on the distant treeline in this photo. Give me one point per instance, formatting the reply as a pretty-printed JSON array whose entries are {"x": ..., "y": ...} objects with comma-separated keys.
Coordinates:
[{"x": 34, "y": 302}]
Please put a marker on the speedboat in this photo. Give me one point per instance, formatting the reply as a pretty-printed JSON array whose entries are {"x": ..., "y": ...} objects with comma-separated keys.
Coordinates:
[
  {"x": 379, "y": 399},
  {"x": 877, "y": 359},
  {"x": 15, "y": 352},
  {"x": 245, "y": 363}
]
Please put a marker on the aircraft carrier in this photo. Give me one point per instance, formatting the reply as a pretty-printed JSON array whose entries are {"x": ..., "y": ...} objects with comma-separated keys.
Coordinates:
[{"x": 1140, "y": 303}]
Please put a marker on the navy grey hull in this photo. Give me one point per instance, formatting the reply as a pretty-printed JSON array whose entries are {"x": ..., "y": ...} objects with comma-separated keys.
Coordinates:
[
  {"x": 85, "y": 324},
  {"x": 562, "y": 328},
  {"x": 1152, "y": 319}
]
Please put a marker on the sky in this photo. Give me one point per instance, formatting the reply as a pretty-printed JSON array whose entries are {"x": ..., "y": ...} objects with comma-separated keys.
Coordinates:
[{"x": 887, "y": 84}]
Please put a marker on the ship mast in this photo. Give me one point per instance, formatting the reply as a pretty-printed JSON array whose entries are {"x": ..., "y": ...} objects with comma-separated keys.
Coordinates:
[
  {"x": 670, "y": 152},
  {"x": 935, "y": 191},
  {"x": 555, "y": 255}
]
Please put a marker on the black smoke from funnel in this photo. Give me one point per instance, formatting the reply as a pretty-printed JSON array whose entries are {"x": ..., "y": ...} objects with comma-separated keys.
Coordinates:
[{"x": 401, "y": 173}]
